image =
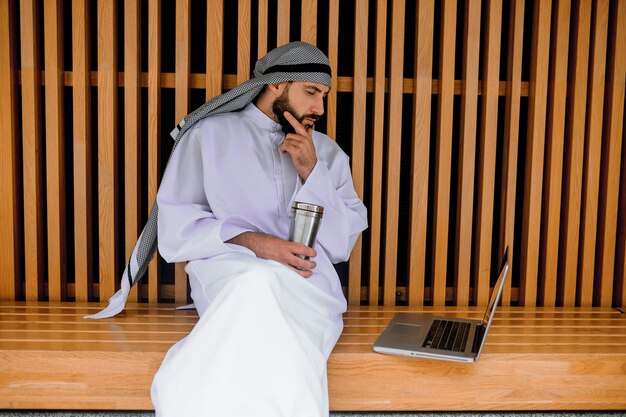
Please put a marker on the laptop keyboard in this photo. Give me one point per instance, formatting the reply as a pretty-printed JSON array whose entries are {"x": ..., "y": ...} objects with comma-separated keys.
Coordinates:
[{"x": 447, "y": 335}]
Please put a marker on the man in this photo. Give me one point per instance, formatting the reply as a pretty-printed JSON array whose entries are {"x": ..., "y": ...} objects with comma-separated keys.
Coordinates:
[{"x": 268, "y": 318}]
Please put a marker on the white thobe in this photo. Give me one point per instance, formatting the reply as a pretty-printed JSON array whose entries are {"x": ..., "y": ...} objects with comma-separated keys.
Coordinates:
[{"x": 265, "y": 333}]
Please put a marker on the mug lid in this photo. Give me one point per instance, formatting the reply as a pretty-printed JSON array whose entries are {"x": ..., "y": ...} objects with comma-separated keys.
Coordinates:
[{"x": 308, "y": 206}]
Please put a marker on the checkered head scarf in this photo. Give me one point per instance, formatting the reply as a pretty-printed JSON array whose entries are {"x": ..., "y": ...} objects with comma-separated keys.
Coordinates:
[{"x": 295, "y": 61}]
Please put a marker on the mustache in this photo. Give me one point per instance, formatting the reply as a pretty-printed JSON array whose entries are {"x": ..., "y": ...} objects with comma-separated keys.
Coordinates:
[{"x": 313, "y": 117}]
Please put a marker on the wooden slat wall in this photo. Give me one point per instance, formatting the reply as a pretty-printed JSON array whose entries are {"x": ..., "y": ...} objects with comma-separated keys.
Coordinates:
[
  {"x": 83, "y": 188},
  {"x": 376, "y": 175},
  {"x": 183, "y": 73},
  {"x": 535, "y": 142},
  {"x": 132, "y": 129},
  {"x": 394, "y": 127},
  {"x": 108, "y": 172},
  {"x": 32, "y": 151},
  {"x": 422, "y": 94},
  {"x": 548, "y": 266},
  {"x": 511, "y": 136},
  {"x": 358, "y": 135},
  {"x": 443, "y": 155},
  {"x": 10, "y": 206},
  {"x": 467, "y": 153},
  {"x": 55, "y": 149},
  {"x": 154, "y": 125}
]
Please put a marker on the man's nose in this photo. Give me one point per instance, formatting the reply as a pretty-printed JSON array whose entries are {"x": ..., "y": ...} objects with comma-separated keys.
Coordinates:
[{"x": 318, "y": 107}]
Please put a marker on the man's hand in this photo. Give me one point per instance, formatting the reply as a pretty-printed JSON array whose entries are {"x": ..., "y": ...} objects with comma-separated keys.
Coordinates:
[
  {"x": 270, "y": 247},
  {"x": 300, "y": 146}
]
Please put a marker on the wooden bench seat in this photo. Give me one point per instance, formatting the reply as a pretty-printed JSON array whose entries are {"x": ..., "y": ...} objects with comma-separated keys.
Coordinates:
[{"x": 534, "y": 359}]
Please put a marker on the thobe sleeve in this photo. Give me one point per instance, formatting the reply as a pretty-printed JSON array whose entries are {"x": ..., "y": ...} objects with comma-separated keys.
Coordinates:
[
  {"x": 345, "y": 216},
  {"x": 187, "y": 227}
]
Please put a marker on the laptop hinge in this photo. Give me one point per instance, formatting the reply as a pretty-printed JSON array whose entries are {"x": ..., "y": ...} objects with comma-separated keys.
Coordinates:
[{"x": 478, "y": 338}]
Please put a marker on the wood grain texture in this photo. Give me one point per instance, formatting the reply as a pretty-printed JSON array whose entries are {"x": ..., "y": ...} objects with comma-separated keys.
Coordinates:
[
  {"x": 593, "y": 142},
  {"x": 32, "y": 151},
  {"x": 528, "y": 356},
  {"x": 394, "y": 140},
  {"x": 132, "y": 130},
  {"x": 154, "y": 126},
  {"x": 83, "y": 187},
  {"x": 467, "y": 153},
  {"x": 376, "y": 173},
  {"x": 535, "y": 145},
  {"x": 553, "y": 173},
  {"x": 183, "y": 72},
  {"x": 443, "y": 156},
  {"x": 511, "y": 137},
  {"x": 359, "y": 117},
  {"x": 214, "y": 45},
  {"x": 422, "y": 103},
  {"x": 573, "y": 164},
  {"x": 487, "y": 152},
  {"x": 10, "y": 205},
  {"x": 611, "y": 155},
  {"x": 55, "y": 150},
  {"x": 333, "y": 57},
  {"x": 262, "y": 27},
  {"x": 107, "y": 147},
  {"x": 283, "y": 19},
  {"x": 308, "y": 27},
  {"x": 243, "y": 40}
]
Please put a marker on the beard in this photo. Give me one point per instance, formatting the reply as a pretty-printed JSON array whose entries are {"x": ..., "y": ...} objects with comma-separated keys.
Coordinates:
[{"x": 281, "y": 105}]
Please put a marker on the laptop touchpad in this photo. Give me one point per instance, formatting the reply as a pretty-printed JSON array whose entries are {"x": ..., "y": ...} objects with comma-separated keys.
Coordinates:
[{"x": 405, "y": 336}]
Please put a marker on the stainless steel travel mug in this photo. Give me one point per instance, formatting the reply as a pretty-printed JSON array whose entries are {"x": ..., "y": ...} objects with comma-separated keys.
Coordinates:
[{"x": 305, "y": 221}]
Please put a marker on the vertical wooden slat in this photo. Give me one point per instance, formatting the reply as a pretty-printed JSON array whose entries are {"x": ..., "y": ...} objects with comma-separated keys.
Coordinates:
[
  {"x": 10, "y": 233},
  {"x": 619, "y": 296},
  {"x": 511, "y": 134},
  {"x": 243, "y": 41},
  {"x": 593, "y": 142},
  {"x": 467, "y": 153},
  {"x": 444, "y": 150},
  {"x": 55, "y": 150},
  {"x": 154, "y": 124},
  {"x": 394, "y": 139},
  {"x": 183, "y": 47},
  {"x": 487, "y": 151},
  {"x": 132, "y": 128},
  {"x": 358, "y": 136},
  {"x": 557, "y": 94},
  {"x": 107, "y": 146},
  {"x": 81, "y": 115},
  {"x": 611, "y": 154},
  {"x": 375, "y": 209},
  {"x": 574, "y": 147},
  {"x": 32, "y": 151},
  {"x": 214, "y": 46},
  {"x": 333, "y": 57},
  {"x": 535, "y": 145},
  {"x": 282, "y": 31},
  {"x": 262, "y": 27},
  {"x": 308, "y": 29},
  {"x": 422, "y": 99}
]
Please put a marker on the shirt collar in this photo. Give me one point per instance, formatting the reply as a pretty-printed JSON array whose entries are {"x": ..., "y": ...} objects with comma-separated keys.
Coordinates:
[{"x": 262, "y": 119}]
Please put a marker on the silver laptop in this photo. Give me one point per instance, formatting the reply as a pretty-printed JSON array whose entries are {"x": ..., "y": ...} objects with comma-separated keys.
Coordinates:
[{"x": 452, "y": 339}]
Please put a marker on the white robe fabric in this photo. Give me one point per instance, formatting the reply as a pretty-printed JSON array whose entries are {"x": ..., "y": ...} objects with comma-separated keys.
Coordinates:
[{"x": 265, "y": 333}]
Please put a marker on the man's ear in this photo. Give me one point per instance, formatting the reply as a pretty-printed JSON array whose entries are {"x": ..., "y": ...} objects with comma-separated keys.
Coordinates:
[{"x": 277, "y": 89}]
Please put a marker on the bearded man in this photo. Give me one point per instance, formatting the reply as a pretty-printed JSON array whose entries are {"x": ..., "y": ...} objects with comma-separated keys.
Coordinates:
[{"x": 268, "y": 317}]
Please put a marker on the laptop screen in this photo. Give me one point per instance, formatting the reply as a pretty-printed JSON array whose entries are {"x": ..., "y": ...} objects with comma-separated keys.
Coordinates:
[{"x": 497, "y": 289}]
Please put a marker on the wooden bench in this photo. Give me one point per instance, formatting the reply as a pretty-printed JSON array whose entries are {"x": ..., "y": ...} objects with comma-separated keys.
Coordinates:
[{"x": 534, "y": 359}]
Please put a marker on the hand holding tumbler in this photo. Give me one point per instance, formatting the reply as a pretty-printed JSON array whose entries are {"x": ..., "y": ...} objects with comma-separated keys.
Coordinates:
[{"x": 305, "y": 221}]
